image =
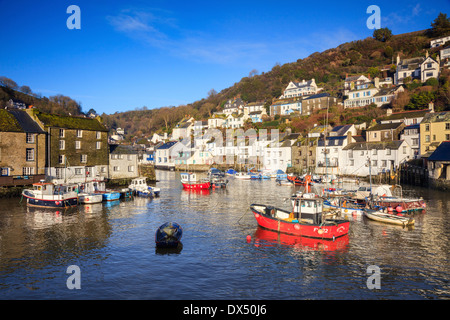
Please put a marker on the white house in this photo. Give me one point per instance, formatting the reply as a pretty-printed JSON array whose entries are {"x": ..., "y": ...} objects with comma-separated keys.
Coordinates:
[
  {"x": 439, "y": 42},
  {"x": 286, "y": 107},
  {"x": 384, "y": 156},
  {"x": 183, "y": 128},
  {"x": 216, "y": 121},
  {"x": 350, "y": 83},
  {"x": 299, "y": 89},
  {"x": 329, "y": 150},
  {"x": 421, "y": 68},
  {"x": 123, "y": 162},
  {"x": 366, "y": 93},
  {"x": 278, "y": 155},
  {"x": 167, "y": 153},
  {"x": 233, "y": 106}
]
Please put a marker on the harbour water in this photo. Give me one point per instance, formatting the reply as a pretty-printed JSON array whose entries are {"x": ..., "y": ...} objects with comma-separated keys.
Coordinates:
[{"x": 113, "y": 246}]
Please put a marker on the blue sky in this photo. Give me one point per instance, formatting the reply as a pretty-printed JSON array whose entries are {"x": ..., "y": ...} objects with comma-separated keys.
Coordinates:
[{"x": 131, "y": 54}]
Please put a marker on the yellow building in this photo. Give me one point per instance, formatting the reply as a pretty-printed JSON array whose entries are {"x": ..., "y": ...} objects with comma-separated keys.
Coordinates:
[{"x": 434, "y": 128}]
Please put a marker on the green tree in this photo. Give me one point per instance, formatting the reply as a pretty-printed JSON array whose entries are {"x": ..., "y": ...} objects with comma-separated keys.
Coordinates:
[
  {"x": 420, "y": 100},
  {"x": 382, "y": 34},
  {"x": 440, "y": 26}
]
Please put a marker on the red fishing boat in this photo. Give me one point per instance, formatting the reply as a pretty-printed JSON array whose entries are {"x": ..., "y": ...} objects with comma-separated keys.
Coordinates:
[
  {"x": 307, "y": 219},
  {"x": 189, "y": 181}
]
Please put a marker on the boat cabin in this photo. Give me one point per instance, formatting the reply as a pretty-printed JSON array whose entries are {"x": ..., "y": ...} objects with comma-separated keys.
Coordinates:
[
  {"x": 138, "y": 182},
  {"x": 188, "y": 177},
  {"x": 92, "y": 186},
  {"x": 47, "y": 189},
  {"x": 308, "y": 208}
]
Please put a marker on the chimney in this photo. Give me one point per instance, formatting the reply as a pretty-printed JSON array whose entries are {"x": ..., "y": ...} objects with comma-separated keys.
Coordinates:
[
  {"x": 349, "y": 137},
  {"x": 431, "y": 106},
  {"x": 376, "y": 82}
]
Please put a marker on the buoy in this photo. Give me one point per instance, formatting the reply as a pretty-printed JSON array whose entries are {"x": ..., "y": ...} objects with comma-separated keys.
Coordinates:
[
  {"x": 249, "y": 238},
  {"x": 389, "y": 209},
  {"x": 399, "y": 209}
]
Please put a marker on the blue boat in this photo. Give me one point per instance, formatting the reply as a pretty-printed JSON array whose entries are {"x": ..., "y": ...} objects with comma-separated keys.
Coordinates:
[
  {"x": 168, "y": 235},
  {"x": 110, "y": 195}
]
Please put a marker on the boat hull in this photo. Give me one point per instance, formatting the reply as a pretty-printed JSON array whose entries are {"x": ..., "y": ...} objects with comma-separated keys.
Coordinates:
[
  {"x": 168, "y": 235},
  {"x": 197, "y": 186},
  {"x": 111, "y": 196},
  {"x": 388, "y": 218},
  {"x": 60, "y": 203},
  {"x": 331, "y": 229},
  {"x": 90, "y": 198}
]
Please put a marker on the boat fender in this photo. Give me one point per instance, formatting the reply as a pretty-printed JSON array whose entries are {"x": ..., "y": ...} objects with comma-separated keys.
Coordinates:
[
  {"x": 272, "y": 212},
  {"x": 399, "y": 209}
]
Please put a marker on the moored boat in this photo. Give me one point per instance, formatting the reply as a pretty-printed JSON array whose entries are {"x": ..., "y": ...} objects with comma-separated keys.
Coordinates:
[
  {"x": 51, "y": 196},
  {"x": 140, "y": 188},
  {"x": 190, "y": 181},
  {"x": 168, "y": 235},
  {"x": 90, "y": 198},
  {"x": 390, "y": 218},
  {"x": 307, "y": 219},
  {"x": 242, "y": 176},
  {"x": 110, "y": 195}
]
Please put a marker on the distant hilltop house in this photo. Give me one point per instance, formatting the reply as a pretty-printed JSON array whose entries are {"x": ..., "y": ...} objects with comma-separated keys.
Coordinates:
[
  {"x": 233, "y": 106},
  {"x": 361, "y": 91},
  {"x": 300, "y": 89},
  {"x": 439, "y": 42},
  {"x": 420, "y": 68}
]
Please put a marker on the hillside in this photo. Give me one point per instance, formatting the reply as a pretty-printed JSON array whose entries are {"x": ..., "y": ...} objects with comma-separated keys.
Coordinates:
[{"x": 329, "y": 68}]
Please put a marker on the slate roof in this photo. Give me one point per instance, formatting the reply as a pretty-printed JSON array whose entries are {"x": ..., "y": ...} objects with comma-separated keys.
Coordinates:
[
  {"x": 407, "y": 115},
  {"x": 26, "y": 122},
  {"x": 436, "y": 117},
  {"x": 121, "y": 149},
  {"x": 379, "y": 145},
  {"x": 167, "y": 145},
  {"x": 385, "y": 126},
  {"x": 442, "y": 153}
]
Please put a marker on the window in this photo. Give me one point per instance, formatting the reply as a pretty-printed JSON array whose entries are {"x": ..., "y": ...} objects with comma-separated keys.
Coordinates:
[
  {"x": 103, "y": 169},
  {"x": 447, "y": 126},
  {"x": 30, "y": 154},
  {"x": 62, "y": 145},
  {"x": 116, "y": 168},
  {"x": 374, "y": 152},
  {"x": 129, "y": 157},
  {"x": 83, "y": 158},
  {"x": 59, "y": 173},
  {"x": 30, "y": 138},
  {"x": 447, "y": 137},
  {"x": 388, "y": 152},
  {"x": 61, "y": 133},
  {"x": 427, "y": 138},
  {"x": 61, "y": 159},
  {"x": 374, "y": 163},
  {"x": 352, "y": 162},
  {"x": 434, "y": 137},
  {"x": 427, "y": 127},
  {"x": 28, "y": 171},
  {"x": 386, "y": 134},
  {"x": 78, "y": 171},
  {"x": 98, "y": 145},
  {"x": 79, "y": 133},
  {"x": 77, "y": 144},
  {"x": 4, "y": 171},
  {"x": 130, "y": 168},
  {"x": 404, "y": 150},
  {"x": 99, "y": 135},
  {"x": 383, "y": 163}
]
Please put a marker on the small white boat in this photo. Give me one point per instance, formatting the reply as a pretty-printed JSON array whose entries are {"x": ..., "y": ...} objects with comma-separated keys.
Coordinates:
[
  {"x": 89, "y": 198},
  {"x": 388, "y": 218},
  {"x": 140, "y": 188},
  {"x": 242, "y": 176}
]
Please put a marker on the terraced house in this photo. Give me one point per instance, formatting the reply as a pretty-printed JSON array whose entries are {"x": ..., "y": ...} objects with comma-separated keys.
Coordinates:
[
  {"x": 22, "y": 149},
  {"x": 77, "y": 147}
]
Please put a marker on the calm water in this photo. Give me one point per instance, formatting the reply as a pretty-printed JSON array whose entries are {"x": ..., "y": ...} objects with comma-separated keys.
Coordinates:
[{"x": 113, "y": 245}]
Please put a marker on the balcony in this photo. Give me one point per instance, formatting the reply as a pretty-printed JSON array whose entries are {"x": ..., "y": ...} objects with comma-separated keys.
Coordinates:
[{"x": 11, "y": 181}]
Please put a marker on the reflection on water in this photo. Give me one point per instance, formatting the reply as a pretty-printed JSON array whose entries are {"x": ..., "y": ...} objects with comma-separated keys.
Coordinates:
[{"x": 114, "y": 245}]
